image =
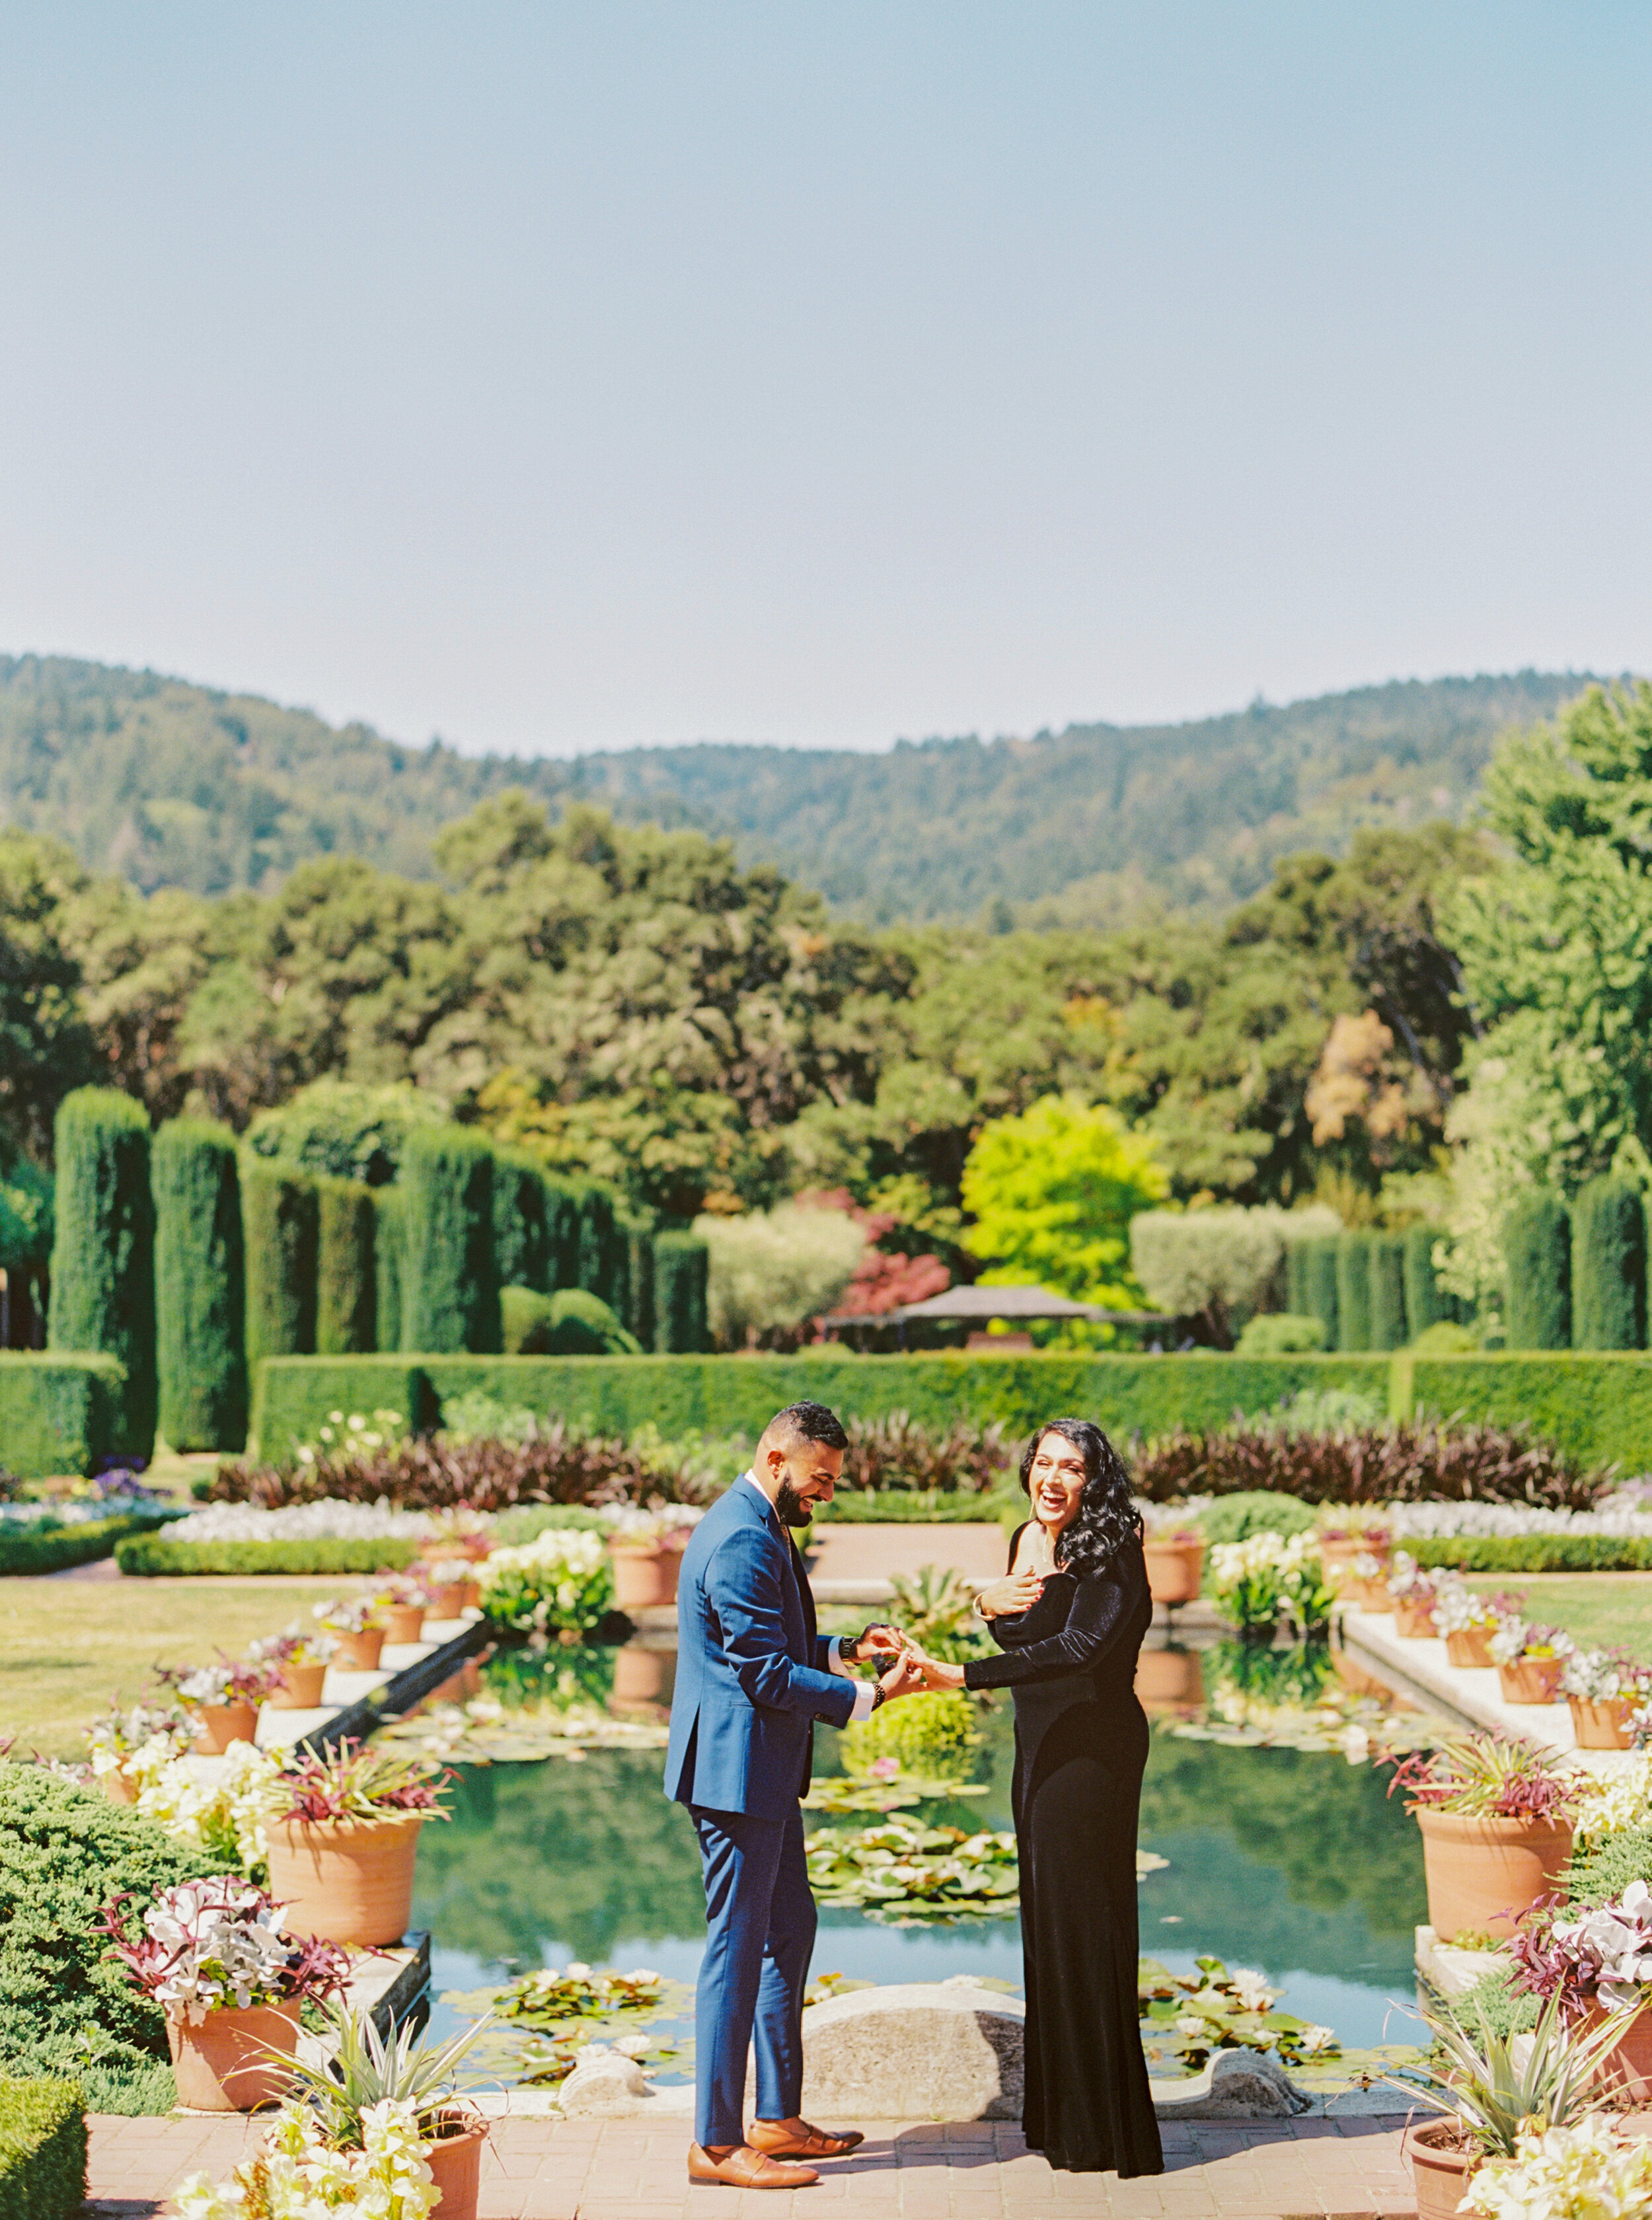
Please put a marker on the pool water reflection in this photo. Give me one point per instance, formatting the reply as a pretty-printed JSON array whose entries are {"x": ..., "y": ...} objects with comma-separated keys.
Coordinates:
[{"x": 1293, "y": 1861}]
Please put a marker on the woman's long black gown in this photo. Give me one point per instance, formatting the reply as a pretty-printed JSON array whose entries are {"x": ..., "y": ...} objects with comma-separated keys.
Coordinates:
[{"x": 1080, "y": 1749}]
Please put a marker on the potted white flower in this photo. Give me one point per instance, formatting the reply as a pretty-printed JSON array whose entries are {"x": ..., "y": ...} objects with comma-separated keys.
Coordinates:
[
  {"x": 299, "y": 1661},
  {"x": 356, "y": 1625},
  {"x": 1590, "y": 2167},
  {"x": 224, "y": 1699},
  {"x": 124, "y": 1747},
  {"x": 212, "y": 1954},
  {"x": 1597, "y": 1961},
  {"x": 1465, "y": 1622},
  {"x": 298, "y": 2174},
  {"x": 1529, "y": 1659},
  {"x": 646, "y": 1547},
  {"x": 1605, "y": 1689},
  {"x": 1413, "y": 1592}
]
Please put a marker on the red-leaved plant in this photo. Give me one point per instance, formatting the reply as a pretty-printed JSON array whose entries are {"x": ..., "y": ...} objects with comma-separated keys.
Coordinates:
[
  {"x": 208, "y": 1944},
  {"x": 1483, "y": 1776},
  {"x": 358, "y": 1782}
]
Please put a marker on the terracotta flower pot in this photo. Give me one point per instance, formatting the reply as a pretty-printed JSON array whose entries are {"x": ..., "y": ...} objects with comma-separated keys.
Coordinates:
[
  {"x": 450, "y": 1597},
  {"x": 638, "y": 1674},
  {"x": 118, "y": 1788},
  {"x": 1470, "y": 1647},
  {"x": 1370, "y": 1595},
  {"x": 1169, "y": 1680},
  {"x": 1626, "y": 2069},
  {"x": 1414, "y": 1621},
  {"x": 300, "y": 1690},
  {"x": 644, "y": 1579},
  {"x": 222, "y": 1723},
  {"x": 220, "y": 2065},
  {"x": 403, "y": 1622},
  {"x": 1604, "y": 1725},
  {"x": 360, "y": 1653},
  {"x": 1175, "y": 1568},
  {"x": 1338, "y": 1550},
  {"x": 455, "y": 2163},
  {"x": 1483, "y": 1872},
  {"x": 1531, "y": 1679},
  {"x": 349, "y": 1879},
  {"x": 1439, "y": 2170}
]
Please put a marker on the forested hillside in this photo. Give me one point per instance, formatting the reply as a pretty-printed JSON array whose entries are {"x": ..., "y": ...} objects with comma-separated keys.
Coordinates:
[{"x": 175, "y": 785}]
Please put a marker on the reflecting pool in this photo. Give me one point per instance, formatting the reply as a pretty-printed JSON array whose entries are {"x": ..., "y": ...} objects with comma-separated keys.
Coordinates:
[{"x": 1289, "y": 1860}]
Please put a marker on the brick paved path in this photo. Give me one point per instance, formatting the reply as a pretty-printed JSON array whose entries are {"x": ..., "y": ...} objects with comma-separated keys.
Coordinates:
[{"x": 542, "y": 2169}]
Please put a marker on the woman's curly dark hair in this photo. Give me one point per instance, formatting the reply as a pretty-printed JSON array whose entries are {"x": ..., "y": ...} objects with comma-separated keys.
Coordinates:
[{"x": 1106, "y": 1519}]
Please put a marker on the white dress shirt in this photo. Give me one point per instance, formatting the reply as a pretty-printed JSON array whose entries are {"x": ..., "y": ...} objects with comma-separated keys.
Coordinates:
[{"x": 865, "y": 1691}]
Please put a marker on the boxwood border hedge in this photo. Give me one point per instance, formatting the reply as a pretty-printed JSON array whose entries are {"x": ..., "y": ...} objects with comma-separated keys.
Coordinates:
[
  {"x": 42, "y": 2149},
  {"x": 154, "y": 1557},
  {"x": 61, "y": 1411},
  {"x": 24, "y": 1555}
]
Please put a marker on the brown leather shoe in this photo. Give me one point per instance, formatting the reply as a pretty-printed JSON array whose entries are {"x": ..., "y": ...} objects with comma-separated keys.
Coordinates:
[
  {"x": 797, "y": 2139},
  {"x": 748, "y": 2168}
]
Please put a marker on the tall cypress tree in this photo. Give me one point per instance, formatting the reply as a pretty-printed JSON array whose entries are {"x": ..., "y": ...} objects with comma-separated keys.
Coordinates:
[
  {"x": 1537, "y": 1253},
  {"x": 1608, "y": 1266},
  {"x": 1388, "y": 1291},
  {"x": 450, "y": 1290},
  {"x": 681, "y": 1272},
  {"x": 1353, "y": 1291},
  {"x": 523, "y": 1232},
  {"x": 103, "y": 1253},
  {"x": 279, "y": 1219},
  {"x": 390, "y": 1244},
  {"x": 1318, "y": 1255},
  {"x": 1426, "y": 1302},
  {"x": 200, "y": 1286},
  {"x": 346, "y": 1290}
]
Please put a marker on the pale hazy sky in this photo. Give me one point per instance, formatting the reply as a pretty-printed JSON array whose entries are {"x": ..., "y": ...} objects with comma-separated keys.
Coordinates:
[{"x": 561, "y": 376}]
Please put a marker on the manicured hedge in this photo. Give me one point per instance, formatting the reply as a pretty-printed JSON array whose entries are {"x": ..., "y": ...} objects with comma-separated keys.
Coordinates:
[
  {"x": 1608, "y": 1266},
  {"x": 279, "y": 1219},
  {"x": 389, "y": 1245},
  {"x": 523, "y": 1232},
  {"x": 639, "y": 1313},
  {"x": 1426, "y": 1302},
  {"x": 200, "y": 1286},
  {"x": 724, "y": 1394},
  {"x": 153, "y": 1556},
  {"x": 42, "y": 2149},
  {"x": 1353, "y": 1291},
  {"x": 346, "y": 1290},
  {"x": 103, "y": 1252},
  {"x": 1388, "y": 1291},
  {"x": 1537, "y": 1553},
  {"x": 23, "y": 1554},
  {"x": 60, "y": 1411},
  {"x": 1313, "y": 1283},
  {"x": 1538, "y": 1252},
  {"x": 682, "y": 1273},
  {"x": 1595, "y": 1404},
  {"x": 450, "y": 1280}
]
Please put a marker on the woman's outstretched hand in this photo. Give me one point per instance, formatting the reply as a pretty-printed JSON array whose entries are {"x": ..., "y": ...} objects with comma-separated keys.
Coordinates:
[
  {"x": 1019, "y": 1591},
  {"x": 935, "y": 1674}
]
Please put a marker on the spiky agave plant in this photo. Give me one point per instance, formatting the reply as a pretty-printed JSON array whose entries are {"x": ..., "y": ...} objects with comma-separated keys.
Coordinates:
[
  {"x": 370, "y": 2068},
  {"x": 1481, "y": 2084}
]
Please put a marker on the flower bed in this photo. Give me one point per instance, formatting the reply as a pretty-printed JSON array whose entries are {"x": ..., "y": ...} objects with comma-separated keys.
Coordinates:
[{"x": 560, "y": 1583}]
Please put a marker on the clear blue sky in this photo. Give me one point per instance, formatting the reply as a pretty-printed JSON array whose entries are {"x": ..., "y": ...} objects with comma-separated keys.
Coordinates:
[{"x": 556, "y": 375}]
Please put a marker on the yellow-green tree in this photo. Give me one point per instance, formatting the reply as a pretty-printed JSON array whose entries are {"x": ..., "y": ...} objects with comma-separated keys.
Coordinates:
[{"x": 1052, "y": 1193}]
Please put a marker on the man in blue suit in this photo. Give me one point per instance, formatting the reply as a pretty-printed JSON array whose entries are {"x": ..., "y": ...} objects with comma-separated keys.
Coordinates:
[{"x": 752, "y": 1676}]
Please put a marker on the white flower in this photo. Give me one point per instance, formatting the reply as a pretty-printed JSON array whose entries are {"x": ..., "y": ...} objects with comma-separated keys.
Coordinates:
[
  {"x": 1190, "y": 2024},
  {"x": 1589, "y": 2172},
  {"x": 1314, "y": 2037},
  {"x": 1252, "y": 1989},
  {"x": 632, "y": 2046}
]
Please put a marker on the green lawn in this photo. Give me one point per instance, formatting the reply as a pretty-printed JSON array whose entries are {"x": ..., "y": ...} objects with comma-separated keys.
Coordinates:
[
  {"x": 69, "y": 1645},
  {"x": 1611, "y": 1611}
]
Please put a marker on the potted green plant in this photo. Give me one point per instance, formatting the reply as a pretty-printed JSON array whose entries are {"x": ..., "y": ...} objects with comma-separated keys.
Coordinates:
[
  {"x": 1486, "y": 2088},
  {"x": 1495, "y": 1819},
  {"x": 299, "y": 1661},
  {"x": 367, "y": 2069},
  {"x": 1529, "y": 1659},
  {"x": 1605, "y": 1689},
  {"x": 344, "y": 1832},
  {"x": 356, "y": 1625},
  {"x": 212, "y": 1954}
]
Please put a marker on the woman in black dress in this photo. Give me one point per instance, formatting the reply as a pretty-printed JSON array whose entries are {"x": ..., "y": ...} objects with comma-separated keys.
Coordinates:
[{"x": 1070, "y": 1619}]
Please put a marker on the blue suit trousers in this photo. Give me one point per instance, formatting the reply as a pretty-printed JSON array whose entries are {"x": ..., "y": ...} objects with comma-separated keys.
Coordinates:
[{"x": 760, "y": 1929}]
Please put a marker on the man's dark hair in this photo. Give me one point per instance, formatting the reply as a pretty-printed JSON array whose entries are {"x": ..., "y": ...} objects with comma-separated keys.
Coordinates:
[{"x": 807, "y": 1422}]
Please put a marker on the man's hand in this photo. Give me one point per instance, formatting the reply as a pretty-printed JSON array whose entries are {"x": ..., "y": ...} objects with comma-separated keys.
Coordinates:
[
  {"x": 876, "y": 1640},
  {"x": 904, "y": 1678}
]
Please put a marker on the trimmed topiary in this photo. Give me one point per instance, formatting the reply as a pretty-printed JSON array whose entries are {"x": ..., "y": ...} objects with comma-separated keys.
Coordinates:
[
  {"x": 1387, "y": 1291},
  {"x": 1318, "y": 1269},
  {"x": 200, "y": 1286},
  {"x": 639, "y": 1281},
  {"x": 1537, "y": 1253},
  {"x": 1253, "y": 1510},
  {"x": 602, "y": 1258},
  {"x": 570, "y": 1323},
  {"x": 1280, "y": 1333},
  {"x": 523, "y": 1228},
  {"x": 1426, "y": 1302},
  {"x": 390, "y": 1245},
  {"x": 561, "y": 1205},
  {"x": 449, "y": 1286},
  {"x": 1608, "y": 1266},
  {"x": 104, "y": 1254},
  {"x": 1353, "y": 1291},
  {"x": 42, "y": 2149},
  {"x": 682, "y": 1273},
  {"x": 347, "y": 1284},
  {"x": 65, "y": 1851},
  {"x": 279, "y": 1219}
]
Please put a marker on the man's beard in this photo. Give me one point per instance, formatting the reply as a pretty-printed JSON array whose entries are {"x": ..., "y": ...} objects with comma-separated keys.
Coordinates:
[{"x": 795, "y": 1509}]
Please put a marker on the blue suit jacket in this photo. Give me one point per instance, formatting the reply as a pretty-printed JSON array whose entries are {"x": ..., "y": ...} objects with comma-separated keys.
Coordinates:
[{"x": 752, "y": 1672}]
